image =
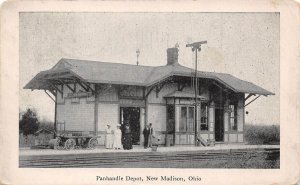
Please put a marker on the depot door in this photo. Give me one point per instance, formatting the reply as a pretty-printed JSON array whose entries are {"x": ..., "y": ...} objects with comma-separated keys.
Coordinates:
[
  {"x": 219, "y": 124},
  {"x": 132, "y": 116}
]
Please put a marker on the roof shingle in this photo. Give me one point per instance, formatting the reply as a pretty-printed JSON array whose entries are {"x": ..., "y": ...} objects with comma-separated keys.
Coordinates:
[{"x": 127, "y": 74}]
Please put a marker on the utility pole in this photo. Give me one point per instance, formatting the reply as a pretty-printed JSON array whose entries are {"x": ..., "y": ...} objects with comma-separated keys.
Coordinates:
[{"x": 196, "y": 46}]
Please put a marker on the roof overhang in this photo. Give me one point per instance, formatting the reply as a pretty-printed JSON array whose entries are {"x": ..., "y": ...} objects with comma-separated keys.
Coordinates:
[
  {"x": 215, "y": 78},
  {"x": 71, "y": 72},
  {"x": 46, "y": 79}
]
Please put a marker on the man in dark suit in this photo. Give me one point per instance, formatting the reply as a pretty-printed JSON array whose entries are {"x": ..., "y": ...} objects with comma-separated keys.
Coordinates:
[{"x": 146, "y": 133}]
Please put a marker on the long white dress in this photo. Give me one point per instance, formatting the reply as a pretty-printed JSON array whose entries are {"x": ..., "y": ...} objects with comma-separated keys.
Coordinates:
[
  {"x": 117, "y": 139},
  {"x": 109, "y": 138}
]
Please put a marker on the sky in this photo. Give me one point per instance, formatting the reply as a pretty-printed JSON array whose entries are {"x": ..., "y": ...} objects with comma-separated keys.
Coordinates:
[{"x": 245, "y": 45}]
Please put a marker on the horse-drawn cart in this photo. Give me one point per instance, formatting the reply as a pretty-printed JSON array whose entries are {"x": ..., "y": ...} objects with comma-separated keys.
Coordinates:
[{"x": 70, "y": 140}]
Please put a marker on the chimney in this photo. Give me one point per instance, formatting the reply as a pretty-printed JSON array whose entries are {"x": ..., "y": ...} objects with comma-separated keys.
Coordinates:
[{"x": 172, "y": 56}]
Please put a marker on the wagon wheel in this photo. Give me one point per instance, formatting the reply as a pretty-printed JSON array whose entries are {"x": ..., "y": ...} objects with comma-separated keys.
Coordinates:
[
  {"x": 57, "y": 144},
  {"x": 92, "y": 143},
  {"x": 70, "y": 144}
]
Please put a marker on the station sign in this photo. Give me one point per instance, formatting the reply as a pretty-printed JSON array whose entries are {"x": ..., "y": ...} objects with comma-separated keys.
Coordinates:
[{"x": 79, "y": 94}]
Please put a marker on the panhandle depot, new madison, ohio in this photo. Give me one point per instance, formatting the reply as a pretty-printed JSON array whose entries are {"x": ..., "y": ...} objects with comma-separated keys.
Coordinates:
[{"x": 89, "y": 95}]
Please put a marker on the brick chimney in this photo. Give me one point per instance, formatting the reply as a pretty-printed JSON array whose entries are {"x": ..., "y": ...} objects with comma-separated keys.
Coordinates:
[{"x": 172, "y": 56}]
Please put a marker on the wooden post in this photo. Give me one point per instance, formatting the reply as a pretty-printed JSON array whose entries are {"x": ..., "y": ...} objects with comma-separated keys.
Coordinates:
[
  {"x": 222, "y": 108},
  {"x": 166, "y": 134},
  {"x": 146, "y": 111},
  {"x": 96, "y": 109},
  {"x": 145, "y": 95},
  {"x": 226, "y": 121},
  {"x": 142, "y": 125},
  {"x": 177, "y": 120},
  {"x": 211, "y": 118},
  {"x": 55, "y": 115}
]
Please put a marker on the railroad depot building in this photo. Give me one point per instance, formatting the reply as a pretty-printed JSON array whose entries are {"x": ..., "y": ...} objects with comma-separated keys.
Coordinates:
[{"x": 89, "y": 95}]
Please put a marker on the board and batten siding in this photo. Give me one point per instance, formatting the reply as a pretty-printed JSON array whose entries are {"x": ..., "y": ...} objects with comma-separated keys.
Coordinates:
[
  {"x": 76, "y": 113},
  {"x": 108, "y": 114},
  {"x": 157, "y": 116},
  {"x": 76, "y": 116},
  {"x": 108, "y": 110}
]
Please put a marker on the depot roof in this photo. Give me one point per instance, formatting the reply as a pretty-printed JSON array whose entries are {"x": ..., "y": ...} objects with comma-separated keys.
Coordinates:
[{"x": 127, "y": 74}]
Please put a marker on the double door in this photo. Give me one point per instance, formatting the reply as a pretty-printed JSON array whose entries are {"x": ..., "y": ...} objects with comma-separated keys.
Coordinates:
[
  {"x": 187, "y": 119},
  {"x": 131, "y": 116}
]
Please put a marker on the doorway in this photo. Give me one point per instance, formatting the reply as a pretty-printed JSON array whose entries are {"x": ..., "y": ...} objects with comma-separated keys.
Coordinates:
[
  {"x": 131, "y": 115},
  {"x": 219, "y": 124},
  {"x": 170, "y": 138}
]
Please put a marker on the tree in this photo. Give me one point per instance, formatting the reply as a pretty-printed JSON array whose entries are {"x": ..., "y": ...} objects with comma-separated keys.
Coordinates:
[{"x": 29, "y": 123}]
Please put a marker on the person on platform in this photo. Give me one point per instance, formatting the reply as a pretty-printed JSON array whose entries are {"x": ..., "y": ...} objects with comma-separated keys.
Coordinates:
[
  {"x": 127, "y": 137},
  {"x": 146, "y": 133},
  {"x": 117, "y": 138},
  {"x": 151, "y": 135},
  {"x": 108, "y": 138}
]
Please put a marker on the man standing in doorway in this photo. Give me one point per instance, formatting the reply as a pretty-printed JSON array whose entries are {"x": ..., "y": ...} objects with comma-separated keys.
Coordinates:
[{"x": 151, "y": 135}]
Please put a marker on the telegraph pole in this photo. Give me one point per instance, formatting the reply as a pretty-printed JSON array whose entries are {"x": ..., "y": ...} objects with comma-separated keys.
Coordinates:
[{"x": 196, "y": 46}]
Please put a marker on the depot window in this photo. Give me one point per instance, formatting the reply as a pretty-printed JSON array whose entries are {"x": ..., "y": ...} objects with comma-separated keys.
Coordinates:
[
  {"x": 204, "y": 116},
  {"x": 233, "y": 116},
  {"x": 187, "y": 119}
]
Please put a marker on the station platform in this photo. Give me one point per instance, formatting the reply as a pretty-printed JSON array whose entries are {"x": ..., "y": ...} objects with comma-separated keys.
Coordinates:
[{"x": 140, "y": 149}]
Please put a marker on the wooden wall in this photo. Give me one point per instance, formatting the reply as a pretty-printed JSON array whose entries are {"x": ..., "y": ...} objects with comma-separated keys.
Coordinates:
[{"x": 78, "y": 113}]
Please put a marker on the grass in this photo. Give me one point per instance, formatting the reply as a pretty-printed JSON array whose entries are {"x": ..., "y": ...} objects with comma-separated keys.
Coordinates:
[{"x": 262, "y": 134}]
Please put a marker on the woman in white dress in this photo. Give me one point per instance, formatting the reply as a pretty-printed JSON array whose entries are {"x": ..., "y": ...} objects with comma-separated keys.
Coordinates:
[
  {"x": 117, "y": 138},
  {"x": 108, "y": 138}
]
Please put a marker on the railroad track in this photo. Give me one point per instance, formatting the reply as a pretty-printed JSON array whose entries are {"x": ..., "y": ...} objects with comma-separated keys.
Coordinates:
[{"x": 114, "y": 160}]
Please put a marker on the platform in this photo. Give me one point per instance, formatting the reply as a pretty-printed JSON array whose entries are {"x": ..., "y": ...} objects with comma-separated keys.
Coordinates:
[{"x": 138, "y": 149}]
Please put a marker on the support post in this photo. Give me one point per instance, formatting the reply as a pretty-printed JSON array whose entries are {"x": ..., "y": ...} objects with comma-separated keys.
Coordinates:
[
  {"x": 85, "y": 88},
  {"x": 89, "y": 87},
  {"x": 147, "y": 94},
  {"x": 248, "y": 97},
  {"x": 57, "y": 89},
  {"x": 72, "y": 89},
  {"x": 55, "y": 117},
  {"x": 142, "y": 125},
  {"x": 252, "y": 101},
  {"x": 166, "y": 134},
  {"x": 160, "y": 86},
  {"x": 49, "y": 96},
  {"x": 146, "y": 110},
  {"x": 177, "y": 120},
  {"x": 96, "y": 109}
]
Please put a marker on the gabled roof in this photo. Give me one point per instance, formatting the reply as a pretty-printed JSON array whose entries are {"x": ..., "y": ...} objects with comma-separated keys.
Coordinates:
[{"x": 127, "y": 74}]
